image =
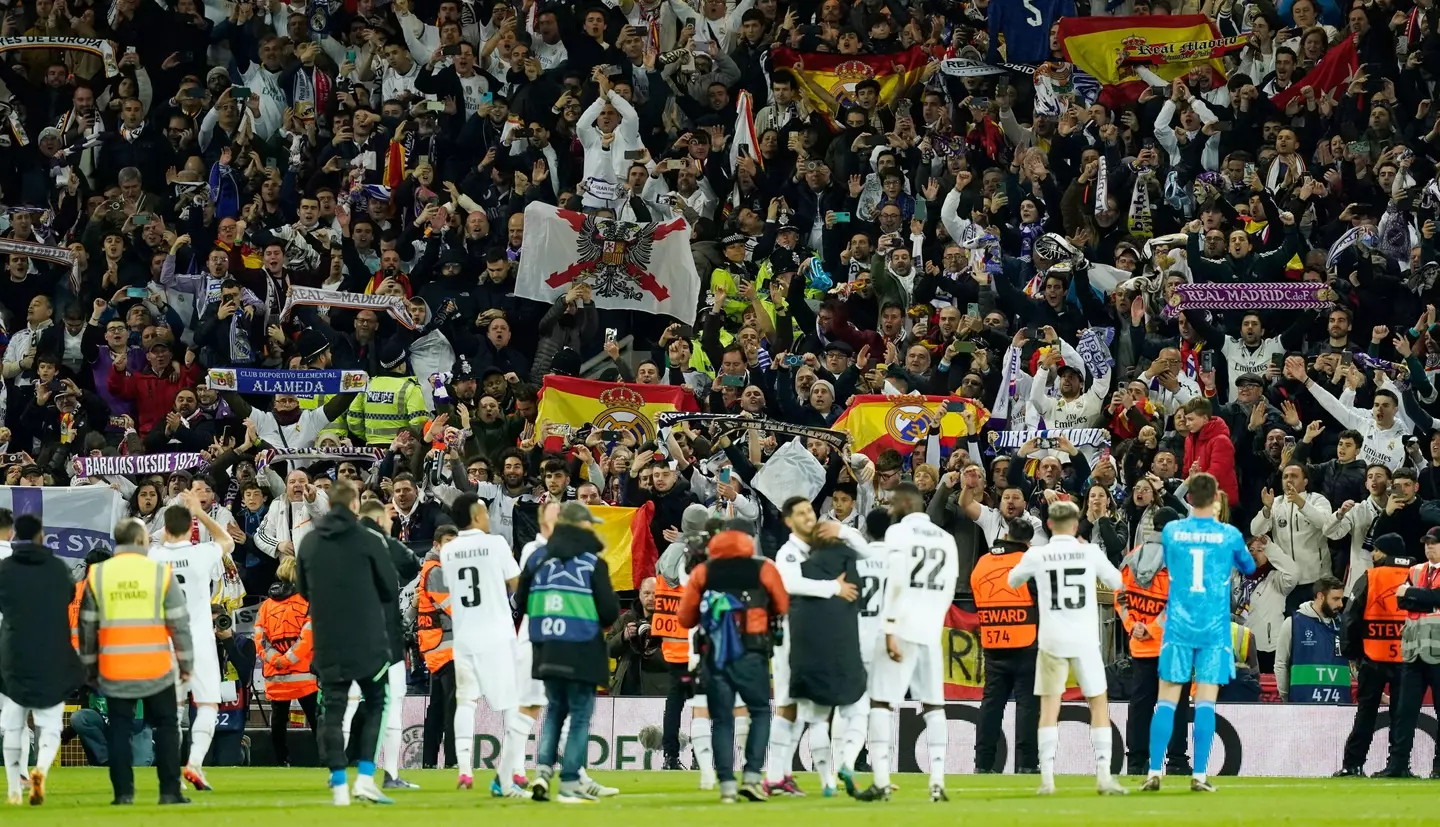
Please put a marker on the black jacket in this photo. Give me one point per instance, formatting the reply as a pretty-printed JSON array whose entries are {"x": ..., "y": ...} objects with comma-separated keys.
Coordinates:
[
  {"x": 407, "y": 568},
  {"x": 825, "y": 664},
  {"x": 346, "y": 573},
  {"x": 587, "y": 662},
  {"x": 38, "y": 666},
  {"x": 419, "y": 530}
]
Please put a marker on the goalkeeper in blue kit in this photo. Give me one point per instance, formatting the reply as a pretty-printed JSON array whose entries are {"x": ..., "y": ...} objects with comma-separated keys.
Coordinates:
[{"x": 1200, "y": 553}]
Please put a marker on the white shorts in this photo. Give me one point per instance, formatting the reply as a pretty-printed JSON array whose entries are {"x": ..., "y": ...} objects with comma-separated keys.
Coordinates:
[
  {"x": 12, "y": 716},
  {"x": 1051, "y": 672},
  {"x": 530, "y": 691},
  {"x": 700, "y": 702},
  {"x": 204, "y": 684},
  {"x": 780, "y": 674},
  {"x": 490, "y": 675},
  {"x": 921, "y": 670}
]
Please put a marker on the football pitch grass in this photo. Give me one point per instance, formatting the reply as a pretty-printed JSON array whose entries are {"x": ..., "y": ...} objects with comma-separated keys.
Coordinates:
[{"x": 81, "y": 796}]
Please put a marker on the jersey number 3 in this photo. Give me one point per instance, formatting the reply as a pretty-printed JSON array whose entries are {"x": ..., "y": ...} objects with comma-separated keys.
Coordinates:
[
  {"x": 470, "y": 576},
  {"x": 1073, "y": 583}
]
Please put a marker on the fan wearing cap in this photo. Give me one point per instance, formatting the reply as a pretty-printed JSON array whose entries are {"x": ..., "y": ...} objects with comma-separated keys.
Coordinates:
[
  {"x": 392, "y": 402},
  {"x": 726, "y": 281},
  {"x": 1074, "y": 407}
]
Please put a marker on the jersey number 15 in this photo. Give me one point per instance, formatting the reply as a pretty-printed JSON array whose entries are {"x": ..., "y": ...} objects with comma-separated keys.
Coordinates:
[{"x": 1073, "y": 584}]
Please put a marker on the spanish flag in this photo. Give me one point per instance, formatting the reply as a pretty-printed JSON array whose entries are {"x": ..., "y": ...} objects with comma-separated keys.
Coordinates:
[
  {"x": 609, "y": 406},
  {"x": 878, "y": 423},
  {"x": 629, "y": 546},
  {"x": 1105, "y": 48},
  {"x": 829, "y": 80},
  {"x": 394, "y": 165}
]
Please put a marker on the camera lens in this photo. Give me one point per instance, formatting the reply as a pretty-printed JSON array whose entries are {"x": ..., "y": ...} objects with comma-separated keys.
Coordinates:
[{"x": 223, "y": 622}]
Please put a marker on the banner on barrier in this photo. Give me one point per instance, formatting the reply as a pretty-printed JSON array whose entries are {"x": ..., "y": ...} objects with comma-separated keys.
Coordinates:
[{"x": 1296, "y": 740}]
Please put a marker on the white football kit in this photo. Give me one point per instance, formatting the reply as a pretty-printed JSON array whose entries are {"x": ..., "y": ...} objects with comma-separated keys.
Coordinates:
[
  {"x": 1065, "y": 571},
  {"x": 476, "y": 567},
  {"x": 532, "y": 692},
  {"x": 788, "y": 561},
  {"x": 197, "y": 567},
  {"x": 923, "y": 567}
]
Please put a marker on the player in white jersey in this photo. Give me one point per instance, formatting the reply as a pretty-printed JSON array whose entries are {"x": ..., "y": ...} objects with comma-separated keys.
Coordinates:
[
  {"x": 480, "y": 575},
  {"x": 851, "y": 722},
  {"x": 924, "y": 566},
  {"x": 805, "y": 531},
  {"x": 198, "y": 566},
  {"x": 531, "y": 692},
  {"x": 1064, "y": 571}
]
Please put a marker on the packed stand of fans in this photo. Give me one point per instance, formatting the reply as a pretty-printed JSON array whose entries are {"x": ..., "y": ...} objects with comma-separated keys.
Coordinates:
[{"x": 239, "y": 153}]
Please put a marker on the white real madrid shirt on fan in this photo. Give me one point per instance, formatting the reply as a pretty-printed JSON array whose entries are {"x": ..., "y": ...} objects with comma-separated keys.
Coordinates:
[
  {"x": 197, "y": 567},
  {"x": 1065, "y": 571}
]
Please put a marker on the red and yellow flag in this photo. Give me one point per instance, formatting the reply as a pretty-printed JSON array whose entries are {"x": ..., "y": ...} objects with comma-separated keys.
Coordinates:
[
  {"x": 630, "y": 551},
  {"x": 609, "y": 406},
  {"x": 878, "y": 423},
  {"x": 829, "y": 80},
  {"x": 1108, "y": 49},
  {"x": 394, "y": 165}
]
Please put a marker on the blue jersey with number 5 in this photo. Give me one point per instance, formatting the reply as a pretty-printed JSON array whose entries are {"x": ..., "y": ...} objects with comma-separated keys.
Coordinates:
[
  {"x": 1200, "y": 553},
  {"x": 1026, "y": 26}
]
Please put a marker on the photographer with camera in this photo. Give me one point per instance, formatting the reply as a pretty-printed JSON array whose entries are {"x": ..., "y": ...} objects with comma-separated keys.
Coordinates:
[
  {"x": 640, "y": 665},
  {"x": 230, "y": 747}
]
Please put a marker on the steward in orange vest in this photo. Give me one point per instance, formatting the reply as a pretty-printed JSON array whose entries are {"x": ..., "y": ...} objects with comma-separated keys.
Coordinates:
[
  {"x": 1008, "y": 620},
  {"x": 665, "y": 624},
  {"x": 286, "y": 643},
  {"x": 1144, "y": 591},
  {"x": 1370, "y": 639}
]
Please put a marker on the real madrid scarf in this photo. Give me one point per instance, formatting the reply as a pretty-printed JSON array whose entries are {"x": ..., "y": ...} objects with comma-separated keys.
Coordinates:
[
  {"x": 1138, "y": 219},
  {"x": 725, "y": 424},
  {"x": 1090, "y": 437}
]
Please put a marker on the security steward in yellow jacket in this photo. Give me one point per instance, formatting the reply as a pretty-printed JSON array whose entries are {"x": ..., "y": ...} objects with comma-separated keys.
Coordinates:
[
  {"x": 131, "y": 615},
  {"x": 391, "y": 402},
  {"x": 1008, "y": 627},
  {"x": 1370, "y": 639}
]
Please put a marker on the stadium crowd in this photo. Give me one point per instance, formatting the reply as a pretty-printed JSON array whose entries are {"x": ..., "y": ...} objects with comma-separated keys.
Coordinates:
[{"x": 918, "y": 232}]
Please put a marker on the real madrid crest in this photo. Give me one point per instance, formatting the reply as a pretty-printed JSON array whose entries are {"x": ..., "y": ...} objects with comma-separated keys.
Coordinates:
[
  {"x": 625, "y": 411},
  {"x": 908, "y": 423}
]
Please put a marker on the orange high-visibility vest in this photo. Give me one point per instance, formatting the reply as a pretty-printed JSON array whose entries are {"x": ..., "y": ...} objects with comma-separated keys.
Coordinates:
[
  {"x": 129, "y": 592},
  {"x": 1007, "y": 616},
  {"x": 75, "y": 615},
  {"x": 665, "y": 624},
  {"x": 286, "y": 644},
  {"x": 1384, "y": 620},
  {"x": 1143, "y": 604},
  {"x": 433, "y": 619}
]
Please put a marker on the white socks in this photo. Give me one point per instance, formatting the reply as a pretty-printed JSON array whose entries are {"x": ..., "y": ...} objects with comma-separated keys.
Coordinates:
[
  {"x": 465, "y": 738},
  {"x": 1049, "y": 740},
  {"x": 14, "y": 769},
  {"x": 822, "y": 753},
  {"x": 202, "y": 732},
  {"x": 782, "y": 735},
  {"x": 742, "y": 731},
  {"x": 937, "y": 737},
  {"x": 1100, "y": 743},
  {"x": 703, "y": 744},
  {"x": 512, "y": 748},
  {"x": 880, "y": 746},
  {"x": 352, "y": 705},
  {"x": 851, "y": 723}
]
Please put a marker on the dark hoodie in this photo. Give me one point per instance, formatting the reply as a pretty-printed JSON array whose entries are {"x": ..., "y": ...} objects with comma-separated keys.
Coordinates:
[
  {"x": 587, "y": 662},
  {"x": 38, "y": 666},
  {"x": 346, "y": 573},
  {"x": 407, "y": 568}
]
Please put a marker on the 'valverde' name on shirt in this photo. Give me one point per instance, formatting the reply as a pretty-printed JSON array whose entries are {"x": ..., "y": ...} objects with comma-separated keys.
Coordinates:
[{"x": 1191, "y": 537}]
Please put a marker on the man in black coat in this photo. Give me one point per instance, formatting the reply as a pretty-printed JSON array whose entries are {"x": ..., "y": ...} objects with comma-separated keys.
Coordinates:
[
  {"x": 346, "y": 573},
  {"x": 38, "y": 666},
  {"x": 826, "y": 670}
]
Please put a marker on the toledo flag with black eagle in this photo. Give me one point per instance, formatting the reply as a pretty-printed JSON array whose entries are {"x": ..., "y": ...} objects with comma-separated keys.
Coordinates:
[{"x": 628, "y": 266}]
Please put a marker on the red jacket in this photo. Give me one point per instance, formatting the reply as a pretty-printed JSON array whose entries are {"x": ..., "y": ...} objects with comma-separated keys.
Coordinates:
[
  {"x": 154, "y": 396},
  {"x": 1215, "y": 452}
]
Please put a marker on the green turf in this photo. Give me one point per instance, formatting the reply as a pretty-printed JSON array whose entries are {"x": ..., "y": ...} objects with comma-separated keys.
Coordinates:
[{"x": 257, "y": 796}]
